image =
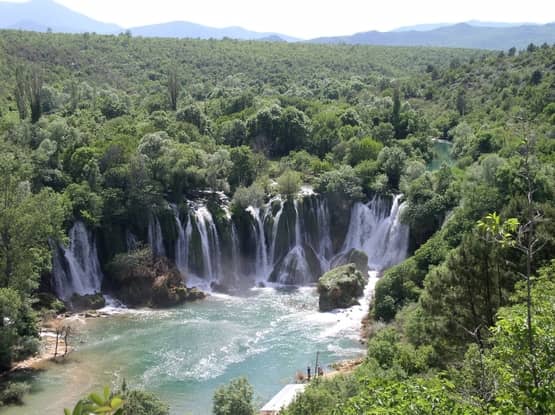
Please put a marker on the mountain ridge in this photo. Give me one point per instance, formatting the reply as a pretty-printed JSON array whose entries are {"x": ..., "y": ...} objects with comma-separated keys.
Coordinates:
[{"x": 46, "y": 15}]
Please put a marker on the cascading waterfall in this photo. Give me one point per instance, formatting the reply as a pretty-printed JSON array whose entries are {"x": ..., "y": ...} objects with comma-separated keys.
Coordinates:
[
  {"x": 182, "y": 243},
  {"x": 261, "y": 264},
  {"x": 155, "y": 237},
  {"x": 131, "y": 241},
  {"x": 76, "y": 269},
  {"x": 272, "y": 254},
  {"x": 294, "y": 269},
  {"x": 375, "y": 228},
  {"x": 210, "y": 243},
  {"x": 325, "y": 247},
  {"x": 235, "y": 254},
  {"x": 378, "y": 232}
]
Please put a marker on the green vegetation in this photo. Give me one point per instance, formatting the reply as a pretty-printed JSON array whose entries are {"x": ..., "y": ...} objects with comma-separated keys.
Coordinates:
[
  {"x": 110, "y": 129},
  {"x": 234, "y": 398}
]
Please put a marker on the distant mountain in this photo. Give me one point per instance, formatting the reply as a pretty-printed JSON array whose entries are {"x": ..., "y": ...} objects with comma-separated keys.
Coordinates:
[
  {"x": 196, "y": 31},
  {"x": 41, "y": 15},
  {"x": 461, "y": 35},
  {"x": 476, "y": 23}
]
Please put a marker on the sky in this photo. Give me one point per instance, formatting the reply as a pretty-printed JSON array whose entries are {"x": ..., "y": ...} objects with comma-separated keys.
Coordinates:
[{"x": 313, "y": 18}]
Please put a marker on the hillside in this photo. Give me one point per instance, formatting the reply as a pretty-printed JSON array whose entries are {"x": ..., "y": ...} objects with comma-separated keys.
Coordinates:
[
  {"x": 460, "y": 35},
  {"x": 132, "y": 166},
  {"x": 40, "y": 15}
]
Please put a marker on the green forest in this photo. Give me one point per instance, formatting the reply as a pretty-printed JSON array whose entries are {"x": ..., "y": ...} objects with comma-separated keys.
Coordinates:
[{"x": 110, "y": 129}]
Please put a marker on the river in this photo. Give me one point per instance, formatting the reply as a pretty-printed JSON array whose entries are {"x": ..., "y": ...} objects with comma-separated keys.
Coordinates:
[{"x": 184, "y": 354}]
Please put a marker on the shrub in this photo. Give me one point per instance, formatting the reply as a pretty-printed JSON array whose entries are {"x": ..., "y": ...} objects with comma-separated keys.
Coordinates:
[
  {"x": 234, "y": 398},
  {"x": 13, "y": 393}
]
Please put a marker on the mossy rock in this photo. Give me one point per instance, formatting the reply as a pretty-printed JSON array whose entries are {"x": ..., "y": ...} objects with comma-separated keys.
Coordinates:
[
  {"x": 340, "y": 288},
  {"x": 353, "y": 256},
  {"x": 50, "y": 303},
  {"x": 87, "y": 302},
  {"x": 144, "y": 280}
]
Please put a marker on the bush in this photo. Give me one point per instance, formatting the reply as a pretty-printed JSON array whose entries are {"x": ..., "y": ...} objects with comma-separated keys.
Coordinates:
[
  {"x": 234, "y": 398},
  {"x": 143, "y": 403},
  {"x": 13, "y": 392},
  {"x": 289, "y": 183}
]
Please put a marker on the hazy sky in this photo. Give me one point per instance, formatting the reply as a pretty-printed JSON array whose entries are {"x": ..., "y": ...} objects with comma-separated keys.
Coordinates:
[{"x": 311, "y": 18}]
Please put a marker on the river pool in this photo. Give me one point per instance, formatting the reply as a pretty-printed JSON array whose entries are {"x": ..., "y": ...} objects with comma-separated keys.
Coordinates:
[{"x": 184, "y": 354}]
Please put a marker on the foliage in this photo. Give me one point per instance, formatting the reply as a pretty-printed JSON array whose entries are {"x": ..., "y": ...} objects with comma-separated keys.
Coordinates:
[
  {"x": 234, "y": 398},
  {"x": 526, "y": 382},
  {"x": 289, "y": 183},
  {"x": 106, "y": 403},
  {"x": 137, "y": 402},
  {"x": 13, "y": 392}
]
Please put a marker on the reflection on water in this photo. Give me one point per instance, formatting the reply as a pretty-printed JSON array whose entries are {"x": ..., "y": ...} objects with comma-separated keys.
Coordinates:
[{"x": 184, "y": 354}]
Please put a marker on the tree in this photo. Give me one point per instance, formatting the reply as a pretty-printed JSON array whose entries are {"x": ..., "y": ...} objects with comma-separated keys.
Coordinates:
[
  {"x": 289, "y": 183},
  {"x": 396, "y": 112},
  {"x": 173, "y": 88},
  {"x": 461, "y": 102},
  {"x": 137, "y": 402},
  {"x": 526, "y": 382},
  {"x": 234, "y": 398},
  {"x": 243, "y": 171},
  {"x": 20, "y": 92},
  {"x": 391, "y": 161}
]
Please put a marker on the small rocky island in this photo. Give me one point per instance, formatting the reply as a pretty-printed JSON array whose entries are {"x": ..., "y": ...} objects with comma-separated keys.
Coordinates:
[{"x": 341, "y": 287}]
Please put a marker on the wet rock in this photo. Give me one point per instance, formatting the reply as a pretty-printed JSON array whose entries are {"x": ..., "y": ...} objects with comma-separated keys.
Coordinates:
[
  {"x": 87, "y": 302},
  {"x": 340, "y": 288},
  {"x": 353, "y": 256},
  {"x": 143, "y": 279}
]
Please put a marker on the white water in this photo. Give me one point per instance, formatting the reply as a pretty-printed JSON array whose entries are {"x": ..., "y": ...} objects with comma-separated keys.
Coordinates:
[
  {"x": 184, "y": 354},
  {"x": 379, "y": 233},
  {"x": 210, "y": 243},
  {"x": 261, "y": 264},
  {"x": 155, "y": 237},
  {"x": 182, "y": 243},
  {"x": 77, "y": 271},
  {"x": 274, "y": 234}
]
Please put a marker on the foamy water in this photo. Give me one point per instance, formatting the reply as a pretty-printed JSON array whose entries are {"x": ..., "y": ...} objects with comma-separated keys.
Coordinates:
[{"x": 184, "y": 354}]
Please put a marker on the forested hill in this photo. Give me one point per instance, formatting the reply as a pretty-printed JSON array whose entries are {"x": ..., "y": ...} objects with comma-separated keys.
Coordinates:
[
  {"x": 460, "y": 35},
  {"x": 110, "y": 130}
]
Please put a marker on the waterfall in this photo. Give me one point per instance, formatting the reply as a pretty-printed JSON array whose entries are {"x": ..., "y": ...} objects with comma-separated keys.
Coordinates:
[
  {"x": 76, "y": 268},
  {"x": 325, "y": 247},
  {"x": 378, "y": 232},
  {"x": 131, "y": 241},
  {"x": 298, "y": 219},
  {"x": 210, "y": 243},
  {"x": 235, "y": 254},
  {"x": 261, "y": 264},
  {"x": 155, "y": 237},
  {"x": 274, "y": 234},
  {"x": 182, "y": 243}
]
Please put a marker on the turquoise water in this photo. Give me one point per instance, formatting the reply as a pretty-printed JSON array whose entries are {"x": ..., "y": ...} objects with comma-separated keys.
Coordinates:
[
  {"x": 184, "y": 354},
  {"x": 442, "y": 154}
]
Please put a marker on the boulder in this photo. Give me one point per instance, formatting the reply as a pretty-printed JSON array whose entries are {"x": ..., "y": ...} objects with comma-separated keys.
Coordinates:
[
  {"x": 142, "y": 279},
  {"x": 87, "y": 302},
  {"x": 340, "y": 288},
  {"x": 353, "y": 256},
  {"x": 194, "y": 294}
]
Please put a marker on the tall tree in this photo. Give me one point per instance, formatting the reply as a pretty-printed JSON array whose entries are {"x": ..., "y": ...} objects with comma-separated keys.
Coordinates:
[
  {"x": 20, "y": 92},
  {"x": 174, "y": 88}
]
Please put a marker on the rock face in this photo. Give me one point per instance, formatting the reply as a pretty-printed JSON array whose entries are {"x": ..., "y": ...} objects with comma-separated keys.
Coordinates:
[
  {"x": 87, "y": 302},
  {"x": 146, "y": 280},
  {"x": 353, "y": 256},
  {"x": 340, "y": 287}
]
